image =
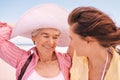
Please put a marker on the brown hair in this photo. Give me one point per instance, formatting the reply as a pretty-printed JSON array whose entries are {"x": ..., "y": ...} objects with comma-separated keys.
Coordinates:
[{"x": 89, "y": 21}]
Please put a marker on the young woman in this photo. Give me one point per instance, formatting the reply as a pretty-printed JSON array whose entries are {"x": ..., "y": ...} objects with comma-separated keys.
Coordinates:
[{"x": 93, "y": 35}]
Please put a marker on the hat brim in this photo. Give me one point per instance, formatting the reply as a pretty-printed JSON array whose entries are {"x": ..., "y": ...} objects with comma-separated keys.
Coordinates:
[{"x": 43, "y": 16}]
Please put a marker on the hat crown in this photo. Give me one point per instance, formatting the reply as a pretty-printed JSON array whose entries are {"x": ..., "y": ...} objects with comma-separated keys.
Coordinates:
[{"x": 43, "y": 16}]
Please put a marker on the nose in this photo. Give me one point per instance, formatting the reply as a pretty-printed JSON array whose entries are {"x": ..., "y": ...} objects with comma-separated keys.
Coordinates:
[{"x": 51, "y": 40}]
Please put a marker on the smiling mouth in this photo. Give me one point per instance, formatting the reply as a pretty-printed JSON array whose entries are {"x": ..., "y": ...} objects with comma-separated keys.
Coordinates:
[{"x": 48, "y": 47}]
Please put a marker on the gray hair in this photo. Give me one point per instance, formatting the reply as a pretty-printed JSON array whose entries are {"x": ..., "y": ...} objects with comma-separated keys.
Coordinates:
[{"x": 35, "y": 32}]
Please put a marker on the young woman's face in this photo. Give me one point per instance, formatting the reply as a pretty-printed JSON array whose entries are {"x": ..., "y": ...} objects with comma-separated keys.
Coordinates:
[
  {"x": 46, "y": 40},
  {"x": 79, "y": 44}
]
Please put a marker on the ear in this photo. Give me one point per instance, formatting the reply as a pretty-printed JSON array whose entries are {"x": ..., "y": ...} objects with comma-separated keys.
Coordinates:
[
  {"x": 90, "y": 39},
  {"x": 33, "y": 39}
]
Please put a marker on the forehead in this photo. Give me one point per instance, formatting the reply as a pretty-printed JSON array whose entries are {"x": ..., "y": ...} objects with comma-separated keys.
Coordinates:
[
  {"x": 49, "y": 31},
  {"x": 72, "y": 34}
]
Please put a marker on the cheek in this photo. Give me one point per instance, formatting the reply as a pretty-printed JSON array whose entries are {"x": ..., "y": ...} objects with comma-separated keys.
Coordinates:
[
  {"x": 79, "y": 45},
  {"x": 74, "y": 44},
  {"x": 55, "y": 43},
  {"x": 39, "y": 42}
]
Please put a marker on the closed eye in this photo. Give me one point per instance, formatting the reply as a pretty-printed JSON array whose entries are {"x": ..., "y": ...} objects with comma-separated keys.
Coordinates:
[{"x": 56, "y": 37}]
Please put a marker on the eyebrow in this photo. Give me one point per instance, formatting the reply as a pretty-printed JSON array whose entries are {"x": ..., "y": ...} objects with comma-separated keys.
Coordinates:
[{"x": 48, "y": 34}]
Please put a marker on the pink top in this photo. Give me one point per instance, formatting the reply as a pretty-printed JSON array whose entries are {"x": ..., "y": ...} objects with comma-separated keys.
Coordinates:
[{"x": 16, "y": 57}]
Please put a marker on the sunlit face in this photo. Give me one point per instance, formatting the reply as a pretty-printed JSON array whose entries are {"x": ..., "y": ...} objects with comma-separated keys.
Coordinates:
[
  {"x": 79, "y": 44},
  {"x": 46, "y": 40}
]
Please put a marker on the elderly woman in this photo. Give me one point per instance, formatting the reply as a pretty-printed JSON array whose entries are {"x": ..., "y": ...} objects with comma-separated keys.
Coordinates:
[
  {"x": 47, "y": 26},
  {"x": 93, "y": 35}
]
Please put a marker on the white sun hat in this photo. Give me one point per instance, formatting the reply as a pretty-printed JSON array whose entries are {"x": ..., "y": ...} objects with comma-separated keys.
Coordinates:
[{"x": 47, "y": 15}]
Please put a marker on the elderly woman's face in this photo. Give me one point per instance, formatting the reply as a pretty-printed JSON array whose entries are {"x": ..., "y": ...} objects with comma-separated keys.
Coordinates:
[{"x": 46, "y": 40}]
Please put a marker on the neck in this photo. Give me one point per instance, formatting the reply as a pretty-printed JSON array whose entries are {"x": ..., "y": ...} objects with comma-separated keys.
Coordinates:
[
  {"x": 98, "y": 63},
  {"x": 43, "y": 57},
  {"x": 97, "y": 58}
]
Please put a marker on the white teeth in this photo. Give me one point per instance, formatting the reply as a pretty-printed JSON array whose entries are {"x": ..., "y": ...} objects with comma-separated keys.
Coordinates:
[{"x": 48, "y": 47}]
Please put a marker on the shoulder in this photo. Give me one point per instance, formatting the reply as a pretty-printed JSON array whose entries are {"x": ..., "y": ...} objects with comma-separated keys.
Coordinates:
[
  {"x": 64, "y": 59},
  {"x": 115, "y": 54},
  {"x": 63, "y": 56}
]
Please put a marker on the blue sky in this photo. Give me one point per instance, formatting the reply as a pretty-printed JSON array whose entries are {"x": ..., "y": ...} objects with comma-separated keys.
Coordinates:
[{"x": 11, "y": 10}]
